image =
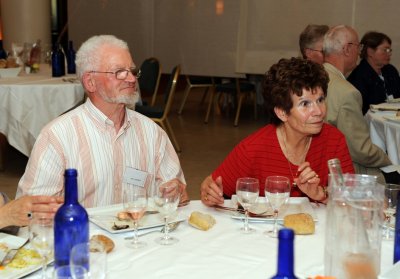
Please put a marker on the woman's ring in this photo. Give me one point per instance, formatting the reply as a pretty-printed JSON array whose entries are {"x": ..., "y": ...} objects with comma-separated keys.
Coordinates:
[{"x": 29, "y": 215}]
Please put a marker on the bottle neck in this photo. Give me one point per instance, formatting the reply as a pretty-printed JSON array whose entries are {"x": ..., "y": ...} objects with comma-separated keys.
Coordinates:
[
  {"x": 285, "y": 257},
  {"x": 71, "y": 190}
]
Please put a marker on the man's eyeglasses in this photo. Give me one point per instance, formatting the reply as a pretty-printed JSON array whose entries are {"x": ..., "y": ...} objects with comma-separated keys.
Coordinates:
[
  {"x": 317, "y": 50},
  {"x": 359, "y": 46},
  {"x": 122, "y": 74}
]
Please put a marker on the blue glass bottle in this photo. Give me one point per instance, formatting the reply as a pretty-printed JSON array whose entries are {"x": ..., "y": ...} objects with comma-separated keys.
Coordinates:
[
  {"x": 57, "y": 61},
  {"x": 71, "y": 222},
  {"x": 3, "y": 53},
  {"x": 396, "y": 256},
  {"x": 71, "y": 68},
  {"x": 285, "y": 255}
]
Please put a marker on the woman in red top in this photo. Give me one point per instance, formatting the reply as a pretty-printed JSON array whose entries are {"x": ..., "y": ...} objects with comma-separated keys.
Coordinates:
[{"x": 297, "y": 144}]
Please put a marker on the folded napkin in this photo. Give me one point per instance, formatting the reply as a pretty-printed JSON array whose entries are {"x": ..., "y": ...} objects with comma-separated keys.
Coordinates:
[{"x": 386, "y": 106}]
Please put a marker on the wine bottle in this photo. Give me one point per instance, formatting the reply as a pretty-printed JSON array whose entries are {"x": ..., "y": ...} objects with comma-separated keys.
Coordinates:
[
  {"x": 396, "y": 256},
  {"x": 71, "y": 68},
  {"x": 285, "y": 255},
  {"x": 3, "y": 53},
  {"x": 71, "y": 222},
  {"x": 57, "y": 61}
]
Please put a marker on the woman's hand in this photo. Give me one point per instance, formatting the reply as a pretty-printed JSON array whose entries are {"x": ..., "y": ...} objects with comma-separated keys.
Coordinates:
[
  {"x": 18, "y": 212},
  {"x": 308, "y": 182},
  {"x": 211, "y": 192}
]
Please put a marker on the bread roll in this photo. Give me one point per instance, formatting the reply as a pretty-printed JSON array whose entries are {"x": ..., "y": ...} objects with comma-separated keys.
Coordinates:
[
  {"x": 301, "y": 223},
  {"x": 201, "y": 221},
  {"x": 103, "y": 241}
]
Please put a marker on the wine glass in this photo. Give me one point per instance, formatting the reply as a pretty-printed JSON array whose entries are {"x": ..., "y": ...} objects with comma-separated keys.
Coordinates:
[
  {"x": 90, "y": 256},
  {"x": 166, "y": 201},
  {"x": 389, "y": 209},
  {"x": 277, "y": 191},
  {"x": 41, "y": 236},
  {"x": 247, "y": 190},
  {"x": 135, "y": 203}
]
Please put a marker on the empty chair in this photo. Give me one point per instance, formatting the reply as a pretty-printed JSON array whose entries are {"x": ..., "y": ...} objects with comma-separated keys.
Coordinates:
[
  {"x": 196, "y": 82},
  {"x": 159, "y": 114},
  {"x": 150, "y": 75},
  {"x": 239, "y": 89}
]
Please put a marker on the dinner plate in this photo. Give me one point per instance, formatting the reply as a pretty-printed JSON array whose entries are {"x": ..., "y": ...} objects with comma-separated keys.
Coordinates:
[
  {"x": 386, "y": 106},
  {"x": 293, "y": 206},
  {"x": 105, "y": 217},
  {"x": 33, "y": 264}
]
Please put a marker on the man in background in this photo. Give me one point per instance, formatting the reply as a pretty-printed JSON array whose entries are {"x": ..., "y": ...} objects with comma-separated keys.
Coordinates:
[
  {"x": 310, "y": 42},
  {"x": 341, "y": 49}
]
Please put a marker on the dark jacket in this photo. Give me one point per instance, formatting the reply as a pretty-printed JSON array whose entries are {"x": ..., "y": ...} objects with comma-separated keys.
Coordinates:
[{"x": 371, "y": 86}]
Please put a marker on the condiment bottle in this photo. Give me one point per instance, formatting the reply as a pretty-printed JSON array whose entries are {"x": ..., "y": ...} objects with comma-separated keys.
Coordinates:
[{"x": 285, "y": 255}]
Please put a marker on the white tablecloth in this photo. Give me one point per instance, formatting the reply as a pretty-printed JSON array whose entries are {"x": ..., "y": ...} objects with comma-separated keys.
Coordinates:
[
  {"x": 29, "y": 102},
  {"x": 385, "y": 133},
  {"x": 222, "y": 252}
]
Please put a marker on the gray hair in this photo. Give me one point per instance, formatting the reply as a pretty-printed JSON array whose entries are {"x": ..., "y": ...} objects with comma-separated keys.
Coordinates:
[
  {"x": 336, "y": 38},
  {"x": 88, "y": 56}
]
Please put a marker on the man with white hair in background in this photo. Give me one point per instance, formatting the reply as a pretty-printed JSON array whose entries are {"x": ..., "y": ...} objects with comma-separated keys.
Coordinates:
[
  {"x": 341, "y": 49},
  {"x": 109, "y": 144}
]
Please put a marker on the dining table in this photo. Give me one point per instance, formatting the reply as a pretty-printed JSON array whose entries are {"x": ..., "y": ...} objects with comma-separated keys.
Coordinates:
[
  {"x": 384, "y": 126},
  {"x": 220, "y": 252},
  {"x": 29, "y": 101}
]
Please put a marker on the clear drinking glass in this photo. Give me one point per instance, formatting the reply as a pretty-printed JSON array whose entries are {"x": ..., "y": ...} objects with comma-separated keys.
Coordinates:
[
  {"x": 70, "y": 272},
  {"x": 247, "y": 191},
  {"x": 41, "y": 236},
  {"x": 91, "y": 257},
  {"x": 135, "y": 203},
  {"x": 277, "y": 192},
  {"x": 166, "y": 201},
  {"x": 389, "y": 210}
]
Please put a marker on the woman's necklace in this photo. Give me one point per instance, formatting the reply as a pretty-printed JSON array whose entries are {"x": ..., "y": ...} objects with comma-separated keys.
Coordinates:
[{"x": 288, "y": 155}]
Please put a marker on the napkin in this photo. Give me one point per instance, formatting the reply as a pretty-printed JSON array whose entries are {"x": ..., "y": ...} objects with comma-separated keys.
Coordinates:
[{"x": 393, "y": 106}]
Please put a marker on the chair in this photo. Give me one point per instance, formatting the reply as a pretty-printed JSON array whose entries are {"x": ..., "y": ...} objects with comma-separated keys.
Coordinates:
[
  {"x": 196, "y": 82},
  {"x": 159, "y": 114},
  {"x": 239, "y": 89},
  {"x": 150, "y": 75}
]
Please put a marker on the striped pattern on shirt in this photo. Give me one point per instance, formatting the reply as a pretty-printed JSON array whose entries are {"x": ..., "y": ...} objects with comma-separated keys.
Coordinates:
[
  {"x": 260, "y": 155},
  {"x": 85, "y": 139}
]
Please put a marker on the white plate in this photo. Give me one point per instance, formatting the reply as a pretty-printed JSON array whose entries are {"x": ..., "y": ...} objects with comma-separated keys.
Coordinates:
[
  {"x": 15, "y": 273},
  {"x": 105, "y": 217},
  {"x": 294, "y": 205}
]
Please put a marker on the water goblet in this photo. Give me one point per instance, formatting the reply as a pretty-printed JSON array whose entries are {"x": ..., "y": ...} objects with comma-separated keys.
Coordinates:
[
  {"x": 166, "y": 201},
  {"x": 135, "y": 203},
  {"x": 90, "y": 256},
  {"x": 70, "y": 272},
  {"x": 277, "y": 192},
  {"x": 41, "y": 236},
  {"x": 389, "y": 210},
  {"x": 247, "y": 190}
]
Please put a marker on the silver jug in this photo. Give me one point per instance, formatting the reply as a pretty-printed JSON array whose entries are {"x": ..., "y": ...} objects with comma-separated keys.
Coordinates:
[{"x": 353, "y": 227}]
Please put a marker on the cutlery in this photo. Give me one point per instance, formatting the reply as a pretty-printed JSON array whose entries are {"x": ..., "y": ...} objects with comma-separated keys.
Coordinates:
[
  {"x": 217, "y": 206},
  {"x": 241, "y": 211},
  {"x": 171, "y": 227},
  {"x": 11, "y": 254}
]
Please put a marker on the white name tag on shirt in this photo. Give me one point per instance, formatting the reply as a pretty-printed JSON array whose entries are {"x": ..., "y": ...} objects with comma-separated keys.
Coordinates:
[{"x": 135, "y": 177}]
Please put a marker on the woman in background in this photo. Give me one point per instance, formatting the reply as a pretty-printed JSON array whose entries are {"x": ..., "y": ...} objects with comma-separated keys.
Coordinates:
[{"x": 376, "y": 79}]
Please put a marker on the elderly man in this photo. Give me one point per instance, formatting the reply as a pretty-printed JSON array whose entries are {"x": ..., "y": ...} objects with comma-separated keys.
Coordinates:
[
  {"x": 109, "y": 144},
  {"x": 344, "y": 101},
  {"x": 310, "y": 42}
]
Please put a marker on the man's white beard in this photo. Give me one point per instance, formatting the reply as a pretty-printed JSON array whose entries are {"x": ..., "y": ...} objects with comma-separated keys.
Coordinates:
[{"x": 124, "y": 99}]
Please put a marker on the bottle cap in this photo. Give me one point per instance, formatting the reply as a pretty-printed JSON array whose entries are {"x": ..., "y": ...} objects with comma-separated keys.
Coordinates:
[
  {"x": 70, "y": 172},
  {"x": 286, "y": 234}
]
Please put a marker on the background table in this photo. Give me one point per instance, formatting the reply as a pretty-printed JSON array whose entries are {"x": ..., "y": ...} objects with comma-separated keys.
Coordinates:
[
  {"x": 221, "y": 252},
  {"x": 385, "y": 133},
  {"x": 29, "y": 102}
]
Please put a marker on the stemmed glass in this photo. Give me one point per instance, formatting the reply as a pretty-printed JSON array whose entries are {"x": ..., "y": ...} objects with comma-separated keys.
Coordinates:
[
  {"x": 41, "y": 236},
  {"x": 277, "y": 191},
  {"x": 90, "y": 256},
  {"x": 389, "y": 209},
  {"x": 166, "y": 201},
  {"x": 247, "y": 190},
  {"x": 135, "y": 203}
]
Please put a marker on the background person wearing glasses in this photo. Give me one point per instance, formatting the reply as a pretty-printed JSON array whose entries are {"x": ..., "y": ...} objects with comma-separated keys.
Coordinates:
[
  {"x": 310, "y": 42},
  {"x": 344, "y": 101},
  {"x": 375, "y": 77},
  {"x": 109, "y": 144}
]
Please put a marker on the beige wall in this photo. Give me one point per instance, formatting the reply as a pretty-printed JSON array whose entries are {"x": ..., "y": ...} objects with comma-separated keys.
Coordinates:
[{"x": 248, "y": 37}]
